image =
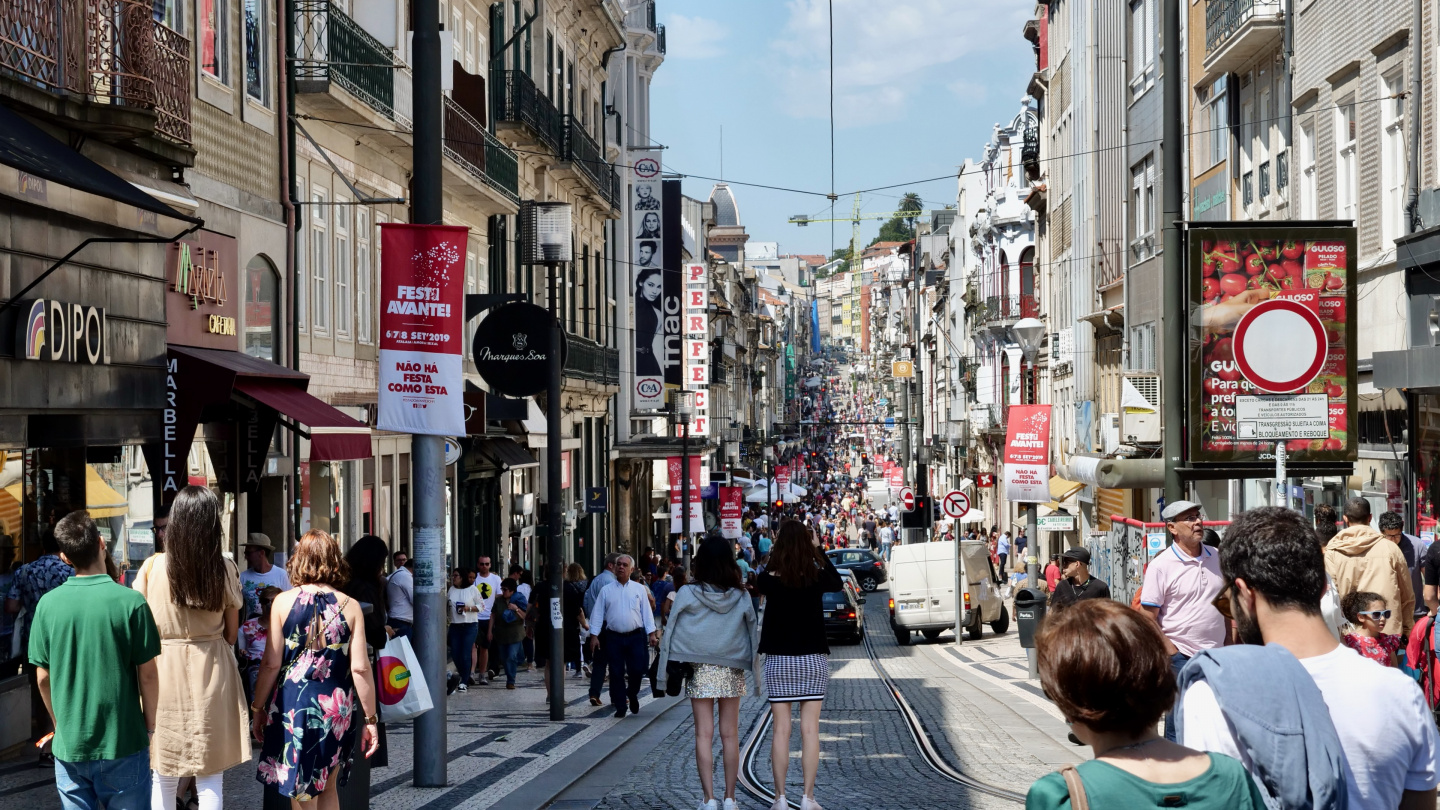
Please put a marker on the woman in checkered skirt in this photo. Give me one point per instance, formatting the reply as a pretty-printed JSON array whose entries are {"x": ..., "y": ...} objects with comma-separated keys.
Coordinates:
[{"x": 797, "y": 662}]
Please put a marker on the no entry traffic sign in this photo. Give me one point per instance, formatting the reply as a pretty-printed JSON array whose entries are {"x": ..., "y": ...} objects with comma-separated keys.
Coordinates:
[
  {"x": 907, "y": 498},
  {"x": 1280, "y": 345},
  {"x": 956, "y": 504}
]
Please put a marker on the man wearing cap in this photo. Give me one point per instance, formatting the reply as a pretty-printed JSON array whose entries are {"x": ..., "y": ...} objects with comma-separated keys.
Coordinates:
[
  {"x": 1179, "y": 590},
  {"x": 1077, "y": 583},
  {"x": 260, "y": 572}
]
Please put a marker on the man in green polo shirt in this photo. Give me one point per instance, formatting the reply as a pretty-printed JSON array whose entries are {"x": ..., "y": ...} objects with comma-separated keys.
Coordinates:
[{"x": 93, "y": 643}]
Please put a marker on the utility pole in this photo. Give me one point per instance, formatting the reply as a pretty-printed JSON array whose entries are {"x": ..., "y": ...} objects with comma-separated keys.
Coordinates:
[
  {"x": 1173, "y": 286},
  {"x": 554, "y": 552},
  {"x": 427, "y": 453},
  {"x": 922, "y": 472}
]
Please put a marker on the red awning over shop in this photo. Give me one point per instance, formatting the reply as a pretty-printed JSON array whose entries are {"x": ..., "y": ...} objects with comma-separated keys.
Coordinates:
[{"x": 333, "y": 435}]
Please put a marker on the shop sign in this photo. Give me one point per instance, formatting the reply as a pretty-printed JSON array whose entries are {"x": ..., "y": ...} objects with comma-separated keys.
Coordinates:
[
  {"x": 61, "y": 332},
  {"x": 202, "y": 291},
  {"x": 656, "y": 282},
  {"x": 511, "y": 348},
  {"x": 1272, "y": 350},
  {"x": 1027, "y": 454},
  {"x": 1056, "y": 523},
  {"x": 422, "y": 317},
  {"x": 697, "y": 520},
  {"x": 597, "y": 499}
]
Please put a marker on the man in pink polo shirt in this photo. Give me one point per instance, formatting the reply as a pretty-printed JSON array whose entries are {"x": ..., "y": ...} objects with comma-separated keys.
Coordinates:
[{"x": 1179, "y": 591}]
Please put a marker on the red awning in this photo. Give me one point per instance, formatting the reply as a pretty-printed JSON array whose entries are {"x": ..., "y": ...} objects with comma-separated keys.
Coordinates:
[{"x": 333, "y": 435}]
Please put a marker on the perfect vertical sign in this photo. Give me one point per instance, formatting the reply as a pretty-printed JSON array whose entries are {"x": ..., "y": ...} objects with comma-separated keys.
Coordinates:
[
  {"x": 1272, "y": 342},
  {"x": 697, "y": 348},
  {"x": 1027, "y": 454},
  {"x": 422, "y": 316},
  {"x": 648, "y": 283}
]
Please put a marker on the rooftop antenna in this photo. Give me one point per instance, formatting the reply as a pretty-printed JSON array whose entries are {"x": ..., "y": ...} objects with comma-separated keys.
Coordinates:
[{"x": 722, "y": 153}]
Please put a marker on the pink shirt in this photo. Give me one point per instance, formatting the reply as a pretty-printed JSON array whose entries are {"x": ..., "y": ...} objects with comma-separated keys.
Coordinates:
[{"x": 1184, "y": 588}]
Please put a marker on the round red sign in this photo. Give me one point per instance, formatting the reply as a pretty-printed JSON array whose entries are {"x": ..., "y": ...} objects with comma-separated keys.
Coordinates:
[{"x": 1280, "y": 345}]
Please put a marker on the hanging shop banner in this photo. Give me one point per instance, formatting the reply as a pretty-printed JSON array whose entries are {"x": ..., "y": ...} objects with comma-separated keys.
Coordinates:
[
  {"x": 697, "y": 519},
  {"x": 422, "y": 318},
  {"x": 674, "y": 283},
  {"x": 1027, "y": 454},
  {"x": 650, "y": 289},
  {"x": 732, "y": 507},
  {"x": 782, "y": 477},
  {"x": 511, "y": 348},
  {"x": 1272, "y": 345}
]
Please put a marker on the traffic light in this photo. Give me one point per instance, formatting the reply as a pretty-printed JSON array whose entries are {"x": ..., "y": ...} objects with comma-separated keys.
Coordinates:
[{"x": 779, "y": 503}]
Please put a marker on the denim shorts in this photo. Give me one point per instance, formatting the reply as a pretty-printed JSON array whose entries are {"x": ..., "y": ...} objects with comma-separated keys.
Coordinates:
[{"x": 115, "y": 784}]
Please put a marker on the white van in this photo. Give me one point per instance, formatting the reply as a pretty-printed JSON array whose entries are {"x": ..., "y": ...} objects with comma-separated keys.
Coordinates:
[{"x": 922, "y": 590}]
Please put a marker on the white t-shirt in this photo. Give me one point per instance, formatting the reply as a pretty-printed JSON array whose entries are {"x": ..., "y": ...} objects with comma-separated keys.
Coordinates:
[
  {"x": 400, "y": 595},
  {"x": 524, "y": 590},
  {"x": 1385, "y": 729},
  {"x": 468, "y": 597},
  {"x": 489, "y": 588},
  {"x": 887, "y": 534},
  {"x": 253, "y": 582}
]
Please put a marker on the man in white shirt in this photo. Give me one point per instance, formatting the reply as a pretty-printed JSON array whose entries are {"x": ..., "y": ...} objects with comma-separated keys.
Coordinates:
[
  {"x": 887, "y": 538},
  {"x": 488, "y": 585},
  {"x": 1277, "y": 576},
  {"x": 260, "y": 573},
  {"x": 400, "y": 596},
  {"x": 623, "y": 609}
]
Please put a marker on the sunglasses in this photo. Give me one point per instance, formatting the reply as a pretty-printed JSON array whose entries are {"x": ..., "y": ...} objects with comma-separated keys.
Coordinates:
[{"x": 1377, "y": 615}]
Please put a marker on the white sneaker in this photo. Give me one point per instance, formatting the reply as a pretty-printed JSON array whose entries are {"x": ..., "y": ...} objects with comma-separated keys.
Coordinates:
[
  {"x": 779, "y": 803},
  {"x": 710, "y": 805},
  {"x": 729, "y": 805},
  {"x": 807, "y": 803},
  {"x": 462, "y": 688}
]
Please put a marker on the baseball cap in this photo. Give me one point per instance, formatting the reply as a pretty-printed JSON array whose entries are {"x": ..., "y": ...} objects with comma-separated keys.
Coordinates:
[
  {"x": 1077, "y": 554},
  {"x": 1177, "y": 509}
]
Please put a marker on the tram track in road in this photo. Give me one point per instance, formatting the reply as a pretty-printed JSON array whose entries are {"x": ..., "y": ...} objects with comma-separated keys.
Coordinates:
[{"x": 751, "y": 782}]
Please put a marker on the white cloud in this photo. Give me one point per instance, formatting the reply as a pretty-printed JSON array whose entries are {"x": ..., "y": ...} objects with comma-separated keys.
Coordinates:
[
  {"x": 693, "y": 37},
  {"x": 887, "y": 53}
]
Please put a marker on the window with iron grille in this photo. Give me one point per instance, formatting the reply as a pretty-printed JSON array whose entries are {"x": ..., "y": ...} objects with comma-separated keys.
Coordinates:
[
  {"x": 1247, "y": 188},
  {"x": 1265, "y": 180}
]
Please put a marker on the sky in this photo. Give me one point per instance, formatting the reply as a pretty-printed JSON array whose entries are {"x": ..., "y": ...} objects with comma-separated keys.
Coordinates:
[{"x": 919, "y": 86}]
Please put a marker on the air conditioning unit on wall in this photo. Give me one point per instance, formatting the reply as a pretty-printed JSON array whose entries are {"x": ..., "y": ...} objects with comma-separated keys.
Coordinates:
[{"x": 1140, "y": 408}]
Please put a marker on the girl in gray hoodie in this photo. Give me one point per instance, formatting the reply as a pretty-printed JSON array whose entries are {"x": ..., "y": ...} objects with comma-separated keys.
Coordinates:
[{"x": 712, "y": 627}]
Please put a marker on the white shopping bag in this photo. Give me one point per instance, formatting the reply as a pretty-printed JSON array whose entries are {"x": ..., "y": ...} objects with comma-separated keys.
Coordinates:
[{"x": 399, "y": 683}]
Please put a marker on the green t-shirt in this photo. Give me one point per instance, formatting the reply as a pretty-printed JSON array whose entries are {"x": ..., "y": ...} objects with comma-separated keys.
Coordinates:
[
  {"x": 1225, "y": 786},
  {"x": 91, "y": 633}
]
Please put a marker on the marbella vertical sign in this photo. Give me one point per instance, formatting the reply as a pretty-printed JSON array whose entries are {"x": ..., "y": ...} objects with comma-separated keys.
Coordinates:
[{"x": 422, "y": 316}]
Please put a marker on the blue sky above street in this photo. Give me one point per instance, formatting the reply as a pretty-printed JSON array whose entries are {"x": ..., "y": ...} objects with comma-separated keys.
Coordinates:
[{"x": 919, "y": 85}]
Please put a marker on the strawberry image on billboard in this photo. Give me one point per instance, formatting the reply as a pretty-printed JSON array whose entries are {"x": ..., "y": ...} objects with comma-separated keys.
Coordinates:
[{"x": 1272, "y": 347}]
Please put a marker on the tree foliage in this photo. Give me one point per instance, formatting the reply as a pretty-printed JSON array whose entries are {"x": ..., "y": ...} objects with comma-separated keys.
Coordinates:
[{"x": 899, "y": 228}]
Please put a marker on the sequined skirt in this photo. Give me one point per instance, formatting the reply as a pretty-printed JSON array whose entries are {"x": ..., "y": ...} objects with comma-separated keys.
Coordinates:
[{"x": 715, "y": 681}]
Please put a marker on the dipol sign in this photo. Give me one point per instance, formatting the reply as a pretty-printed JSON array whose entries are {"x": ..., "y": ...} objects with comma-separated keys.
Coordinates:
[
  {"x": 512, "y": 349},
  {"x": 61, "y": 332}
]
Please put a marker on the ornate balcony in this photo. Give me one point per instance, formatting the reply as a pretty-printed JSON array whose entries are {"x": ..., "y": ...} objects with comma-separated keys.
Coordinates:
[
  {"x": 585, "y": 156},
  {"x": 480, "y": 153},
  {"x": 587, "y": 360},
  {"x": 331, "y": 47},
  {"x": 1236, "y": 31},
  {"x": 101, "y": 52},
  {"x": 1005, "y": 308},
  {"x": 660, "y": 38},
  {"x": 519, "y": 102}
]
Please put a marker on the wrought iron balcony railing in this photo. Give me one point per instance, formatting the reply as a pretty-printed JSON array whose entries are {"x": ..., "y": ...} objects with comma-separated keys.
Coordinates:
[
  {"x": 1223, "y": 18},
  {"x": 587, "y": 360},
  {"x": 332, "y": 47},
  {"x": 1011, "y": 307},
  {"x": 1030, "y": 148},
  {"x": 480, "y": 153},
  {"x": 108, "y": 51},
  {"x": 520, "y": 101},
  {"x": 581, "y": 150},
  {"x": 660, "y": 38}
]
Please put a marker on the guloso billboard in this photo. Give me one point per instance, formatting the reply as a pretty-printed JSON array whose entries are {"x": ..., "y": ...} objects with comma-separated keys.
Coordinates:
[
  {"x": 1272, "y": 344},
  {"x": 1027, "y": 454}
]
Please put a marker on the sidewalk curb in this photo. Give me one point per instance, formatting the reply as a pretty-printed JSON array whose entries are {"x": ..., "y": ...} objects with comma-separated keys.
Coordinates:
[{"x": 560, "y": 777}]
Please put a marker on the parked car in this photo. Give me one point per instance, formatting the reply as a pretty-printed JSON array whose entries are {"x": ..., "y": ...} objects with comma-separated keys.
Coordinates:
[
  {"x": 922, "y": 590},
  {"x": 844, "y": 618},
  {"x": 866, "y": 565}
]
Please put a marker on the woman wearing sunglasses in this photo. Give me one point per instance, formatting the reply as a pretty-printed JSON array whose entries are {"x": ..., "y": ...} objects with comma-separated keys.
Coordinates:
[{"x": 1367, "y": 614}]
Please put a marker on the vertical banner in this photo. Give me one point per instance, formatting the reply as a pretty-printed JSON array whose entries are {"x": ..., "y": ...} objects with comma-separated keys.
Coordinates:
[
  {"x": 732, "y": 507},
  {"x": 646, "y": 254},
  {"x": 422, "y": 320},
  {"x": 674, "y": 285},
  {"x": 1027, "y": 454},
  {"x": 782, "y": 478},
  {"x": 697, "y": 520}
]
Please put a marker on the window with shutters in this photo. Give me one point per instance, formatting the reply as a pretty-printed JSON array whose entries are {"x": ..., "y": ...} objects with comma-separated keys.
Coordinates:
[
  {"x": 1346, "y": 177},
  {"x": 1142, "y": 45},
  {"x": 1309, "y": 209},
  {"x": 366, "y": 258},
  {"x": 320, "y": 261},
  {"x": 1392, "y": 158},
  {"x": 343, "y": 302},
  {"x": 1061, "y": 223},
  {"x": 1142, "y": 207}
]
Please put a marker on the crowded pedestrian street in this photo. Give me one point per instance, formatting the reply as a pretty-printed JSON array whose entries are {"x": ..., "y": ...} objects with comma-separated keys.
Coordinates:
[{"x": 728, "y": 405}]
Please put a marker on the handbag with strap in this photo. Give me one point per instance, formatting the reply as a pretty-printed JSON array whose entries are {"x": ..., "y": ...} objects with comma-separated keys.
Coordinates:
[{"x": 1076, "y": 786}]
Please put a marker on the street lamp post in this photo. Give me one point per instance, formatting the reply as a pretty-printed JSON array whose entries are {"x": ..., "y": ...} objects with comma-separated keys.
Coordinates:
[{"x": 1029, "y": 332}]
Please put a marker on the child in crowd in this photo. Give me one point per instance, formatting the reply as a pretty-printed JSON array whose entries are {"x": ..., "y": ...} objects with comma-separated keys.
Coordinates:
[
  {"x": 1367, "y": 613},
  {"x": 253, "y": 633}
]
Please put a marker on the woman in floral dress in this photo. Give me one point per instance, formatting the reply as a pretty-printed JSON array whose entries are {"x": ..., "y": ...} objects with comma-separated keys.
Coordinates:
[{"x": 315, "y": 690}]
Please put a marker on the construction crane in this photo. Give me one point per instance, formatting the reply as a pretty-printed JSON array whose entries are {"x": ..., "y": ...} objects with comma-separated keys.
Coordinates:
[{"x": 854, "y": 219}]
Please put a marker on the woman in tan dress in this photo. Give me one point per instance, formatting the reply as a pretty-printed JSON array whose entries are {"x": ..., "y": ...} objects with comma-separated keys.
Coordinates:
[{"x": 194, "y": 592}]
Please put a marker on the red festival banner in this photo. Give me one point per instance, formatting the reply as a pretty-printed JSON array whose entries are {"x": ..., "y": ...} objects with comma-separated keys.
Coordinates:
[
  {"x": 422, "y": 321},
  {"x": 1027, "y": 454},
  {"x": 697, "y": 520},
  {"x": 732, "y": 508}
]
